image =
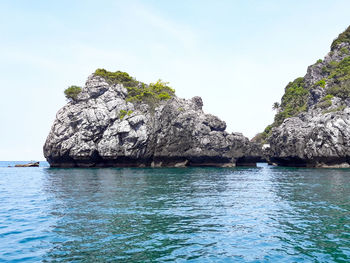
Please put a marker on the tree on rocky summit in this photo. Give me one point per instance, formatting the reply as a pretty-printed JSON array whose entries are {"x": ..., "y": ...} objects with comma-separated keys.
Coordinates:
[{"x": 72, "y": 92}]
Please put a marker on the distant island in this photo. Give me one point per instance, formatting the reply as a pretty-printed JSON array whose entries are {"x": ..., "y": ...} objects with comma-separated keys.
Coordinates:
[{"x": 116, "y": 120}]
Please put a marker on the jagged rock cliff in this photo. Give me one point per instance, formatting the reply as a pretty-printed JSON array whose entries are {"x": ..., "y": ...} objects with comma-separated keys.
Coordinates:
[
  {"x": 108, "y": 124},
  {"x": 312, "y": 126}
]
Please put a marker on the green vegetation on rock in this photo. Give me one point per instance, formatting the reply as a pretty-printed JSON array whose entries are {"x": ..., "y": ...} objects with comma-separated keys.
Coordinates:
[
  {"x": 341, "y": 90},
  {"x": 123, "y": 113},
  {"x": 261, "y": 137},
  {"x": 342, "y": 38},
  {"x": 117, "y": 77},
  {"x": 151, "y": 94},
  {"x": 341, "y": 70},
  {"x": 336, "y": 83},
  {"x": 320, "y": 83},
  {"x": 72, "y": 92},
  {"x": 293, "y": 101},
  {"x": 344, "y": 51},
  {"x": 340, "y": 108},
  {"x": 340, "y": 75},
  {"x": 327, "y": 69},
  {"x": 327, "y": 97},
  {"x": 325, "y": 102}
]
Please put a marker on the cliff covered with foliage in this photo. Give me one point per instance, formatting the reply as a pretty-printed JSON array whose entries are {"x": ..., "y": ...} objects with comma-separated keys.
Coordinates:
[
  {"x": 310, "y": 127},
  {"x": 326, "y": 86}
]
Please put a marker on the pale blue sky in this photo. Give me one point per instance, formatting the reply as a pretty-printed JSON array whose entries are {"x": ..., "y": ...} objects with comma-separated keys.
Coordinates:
[{"x": 237, "y": 55}]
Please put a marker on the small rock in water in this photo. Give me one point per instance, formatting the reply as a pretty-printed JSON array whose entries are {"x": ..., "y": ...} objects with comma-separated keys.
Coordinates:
[{"x": 36, "y": 164}]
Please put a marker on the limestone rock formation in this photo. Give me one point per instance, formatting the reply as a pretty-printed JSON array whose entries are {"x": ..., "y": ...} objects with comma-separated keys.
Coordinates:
[
  {"x": 312, "y": 126},
  {"x": 105, "y": 126}
]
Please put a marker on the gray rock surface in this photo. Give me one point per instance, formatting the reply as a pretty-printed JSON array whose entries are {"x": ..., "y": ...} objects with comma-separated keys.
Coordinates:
[
  {"x": 319, "y": 137},
  {"x": 312, "y": 140},
  {"x": 90, "y": 132}
]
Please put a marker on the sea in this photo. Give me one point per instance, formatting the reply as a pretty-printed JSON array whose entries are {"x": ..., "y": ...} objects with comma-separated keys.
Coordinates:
[{"x": 243, "y": 214}]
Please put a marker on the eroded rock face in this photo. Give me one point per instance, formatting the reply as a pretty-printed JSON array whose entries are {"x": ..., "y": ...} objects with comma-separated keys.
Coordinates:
[
  {"x": 320, "y": 140},
  {"x": 91, "y": 132},
  {"x": 319, "y": 137}
]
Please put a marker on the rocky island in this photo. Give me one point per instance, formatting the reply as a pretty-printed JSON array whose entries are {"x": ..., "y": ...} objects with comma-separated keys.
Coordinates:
[
  {"x": 117, "y": 121},
  {"x": 312, "y": 124}
]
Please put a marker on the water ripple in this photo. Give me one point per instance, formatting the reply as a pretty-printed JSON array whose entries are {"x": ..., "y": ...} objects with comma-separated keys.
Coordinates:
[{"x": 263, "y": 214}]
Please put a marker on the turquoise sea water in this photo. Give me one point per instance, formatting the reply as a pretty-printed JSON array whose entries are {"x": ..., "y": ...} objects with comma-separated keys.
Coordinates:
[{"x": 264, "y": 214}]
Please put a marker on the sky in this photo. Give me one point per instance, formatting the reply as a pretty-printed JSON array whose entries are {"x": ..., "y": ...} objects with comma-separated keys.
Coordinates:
[{"x": 237, "y": 55}]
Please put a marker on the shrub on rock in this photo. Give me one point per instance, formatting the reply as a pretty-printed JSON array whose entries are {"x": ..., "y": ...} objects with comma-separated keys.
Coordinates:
[{"x": 72, "y": 92}]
